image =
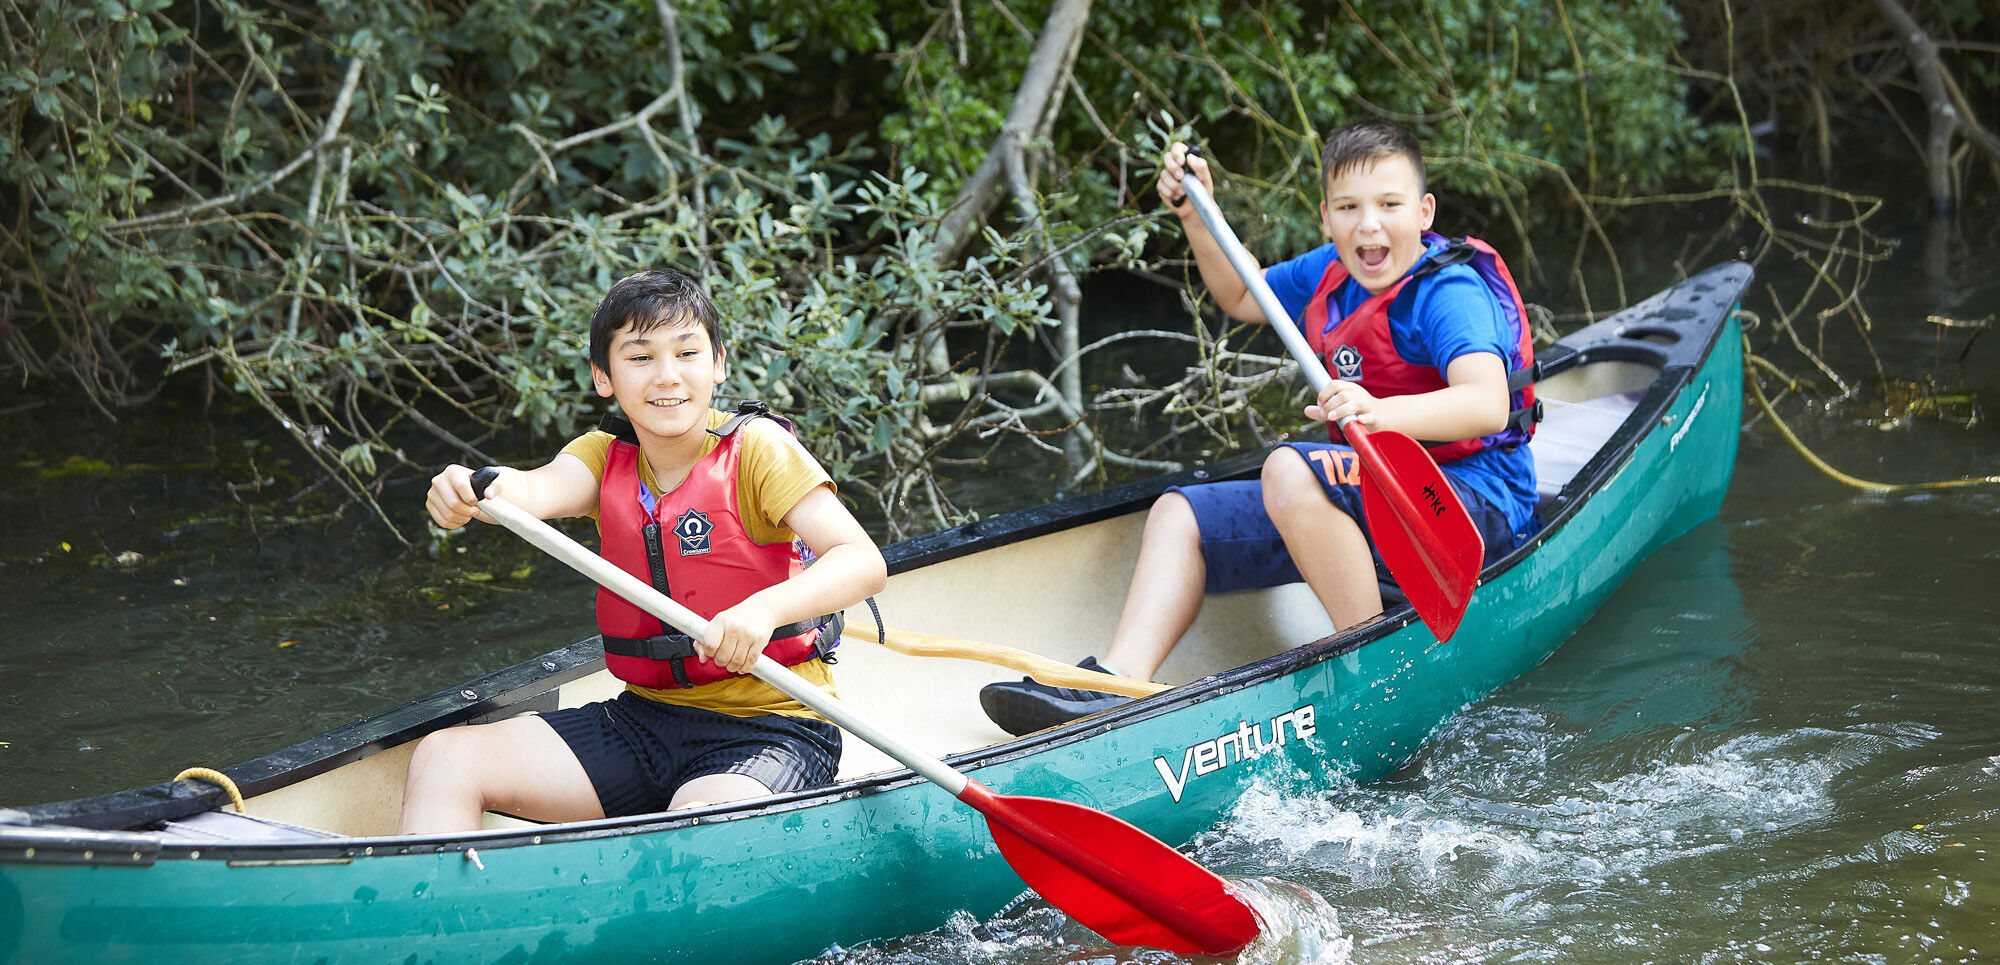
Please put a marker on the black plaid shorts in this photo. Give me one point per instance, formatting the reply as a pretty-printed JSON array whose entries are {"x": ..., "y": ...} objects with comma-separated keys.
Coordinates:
[{"x": 638, "y": 752}]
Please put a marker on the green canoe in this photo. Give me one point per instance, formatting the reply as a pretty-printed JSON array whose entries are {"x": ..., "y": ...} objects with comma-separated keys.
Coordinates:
[{"x": 1642, "y": 416}]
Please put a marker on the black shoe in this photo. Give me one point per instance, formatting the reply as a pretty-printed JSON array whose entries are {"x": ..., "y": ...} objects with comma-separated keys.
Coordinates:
[{"x": 1025, "y": 706}]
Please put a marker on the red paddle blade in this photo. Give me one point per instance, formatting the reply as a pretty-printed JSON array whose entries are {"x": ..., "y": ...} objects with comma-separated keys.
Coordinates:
[
  {"x": 1421, "y": 529},
  {"x": 1113, "y": 878}
]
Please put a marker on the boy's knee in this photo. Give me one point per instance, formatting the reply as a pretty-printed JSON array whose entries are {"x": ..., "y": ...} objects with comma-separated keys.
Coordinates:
[
  {"x": 444, "y": 750},
  {"x": 1172, "y": 516},
  {"x": 1286, "y": 475}
]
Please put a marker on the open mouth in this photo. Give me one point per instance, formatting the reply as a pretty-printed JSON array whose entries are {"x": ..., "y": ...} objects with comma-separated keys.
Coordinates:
[
  {"x": 664, "y": 403},
  {"x": 1372, "y": 257}
]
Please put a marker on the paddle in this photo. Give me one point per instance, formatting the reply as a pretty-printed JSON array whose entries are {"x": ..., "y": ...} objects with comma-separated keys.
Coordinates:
[
  {"x": 1051, "y": 672},
  {"x": 1421, "y": 529},
  {"x": 1111, "y": 877}
]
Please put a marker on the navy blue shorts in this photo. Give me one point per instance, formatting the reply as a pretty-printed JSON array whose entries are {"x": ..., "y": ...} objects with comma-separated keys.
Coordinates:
[
  {"x": 638, "y": 752},
  {"x": 1242, "y": 549}
]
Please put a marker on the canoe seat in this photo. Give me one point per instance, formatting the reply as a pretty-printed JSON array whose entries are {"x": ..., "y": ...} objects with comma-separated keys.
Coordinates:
[
  {"x": 1571, "y": 433},
  {"x": 229, "y": 827}
]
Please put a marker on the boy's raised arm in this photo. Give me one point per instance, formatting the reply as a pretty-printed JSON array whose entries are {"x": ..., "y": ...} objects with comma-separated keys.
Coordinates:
[
  {"x": 1231, "y": 295},
  {"x": 563, "y": 487}
]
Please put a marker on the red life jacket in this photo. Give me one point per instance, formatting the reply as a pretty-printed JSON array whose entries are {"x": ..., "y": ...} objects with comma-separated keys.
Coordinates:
[
  {"x": 691, "y": 544},
  {"x": 1360, "y": 348}
]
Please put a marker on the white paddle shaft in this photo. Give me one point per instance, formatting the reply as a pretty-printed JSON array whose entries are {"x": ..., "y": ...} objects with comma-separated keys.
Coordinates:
[{"x": 643, "y": 596}]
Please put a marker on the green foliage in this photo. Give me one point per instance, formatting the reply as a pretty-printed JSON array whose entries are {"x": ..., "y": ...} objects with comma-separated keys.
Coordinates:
[
  {"x": 427, "y": 242},
  {"x": 386, "y": 221},
  {"x": 1515, "y": 100}
]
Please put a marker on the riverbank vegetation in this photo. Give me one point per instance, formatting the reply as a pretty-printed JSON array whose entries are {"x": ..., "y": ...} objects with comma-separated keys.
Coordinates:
[{"x": 383, "y": 223}]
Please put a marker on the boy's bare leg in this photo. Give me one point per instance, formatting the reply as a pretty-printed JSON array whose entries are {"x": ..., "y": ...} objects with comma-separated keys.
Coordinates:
[
  {"x": 1326, "y": 544},
  {"x": 1166, "y": 590},
  {"x": 717, "y": 789},
  {"x": 517, "y": 765}
]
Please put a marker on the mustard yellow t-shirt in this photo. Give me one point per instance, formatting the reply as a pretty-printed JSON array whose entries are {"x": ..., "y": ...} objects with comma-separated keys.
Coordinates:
[{"x": 773, "y": 472}]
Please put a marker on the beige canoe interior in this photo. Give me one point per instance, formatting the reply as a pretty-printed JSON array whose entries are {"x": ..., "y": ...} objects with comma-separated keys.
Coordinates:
[{"x": 1057, "y": 595}]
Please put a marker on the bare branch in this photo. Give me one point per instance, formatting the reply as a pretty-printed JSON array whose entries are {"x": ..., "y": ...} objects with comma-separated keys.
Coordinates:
[
  {"x": 326, "y": 136},
  {"x": 1035, "y": 101}
]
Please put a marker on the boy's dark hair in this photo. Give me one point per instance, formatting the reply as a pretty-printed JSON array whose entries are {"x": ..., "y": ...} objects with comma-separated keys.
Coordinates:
[
  {"x": 649, "y": 300},
  {"x": 1366, "y": 141}
]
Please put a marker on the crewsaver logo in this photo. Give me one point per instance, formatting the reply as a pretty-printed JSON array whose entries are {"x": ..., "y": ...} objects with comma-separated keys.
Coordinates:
[
  {"x": 693, "y": 528},
  {"x": 1347, "y": 363}
]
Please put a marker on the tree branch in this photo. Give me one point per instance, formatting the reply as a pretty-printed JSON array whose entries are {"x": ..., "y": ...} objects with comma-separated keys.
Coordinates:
[
  {"x": 1035, "y": 103},
  {"x": 1946, "y": 111},
  {"x": 326, "y": 136}
]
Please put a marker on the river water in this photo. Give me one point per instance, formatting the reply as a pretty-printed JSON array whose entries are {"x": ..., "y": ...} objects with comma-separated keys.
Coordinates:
[{"x": 1776, "y": 743}]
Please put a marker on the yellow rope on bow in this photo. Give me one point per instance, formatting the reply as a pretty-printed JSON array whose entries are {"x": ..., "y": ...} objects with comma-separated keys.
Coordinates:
[
  {"x": 213, "y": 776},
  {"x": 1752, "y": 361}
]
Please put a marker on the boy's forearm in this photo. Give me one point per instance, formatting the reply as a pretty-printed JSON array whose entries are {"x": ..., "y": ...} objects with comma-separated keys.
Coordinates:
[
  {"x": 563, "y": 487},
  {"x": 841, "y": 577},
  {"x": 1447, "y": 415},
  {"x": 1224, "y": 284}
]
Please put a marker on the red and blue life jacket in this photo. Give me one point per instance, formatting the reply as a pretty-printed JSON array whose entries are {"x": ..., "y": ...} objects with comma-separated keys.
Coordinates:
[
  {"x": 1360, "y": 348},
  {"x": 689, "y": 543}
]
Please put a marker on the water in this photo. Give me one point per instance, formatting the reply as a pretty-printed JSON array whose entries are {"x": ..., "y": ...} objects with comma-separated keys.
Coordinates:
[
  {"x": 1776, "y": 743},
  {"x": 160, "y": 613},
  {"x": 1716, "y": 768}
]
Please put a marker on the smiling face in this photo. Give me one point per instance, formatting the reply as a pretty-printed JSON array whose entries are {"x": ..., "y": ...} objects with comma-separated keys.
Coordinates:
[
  {"x": 663, "y": 378},
  {"x": 1376, "y": 214}
]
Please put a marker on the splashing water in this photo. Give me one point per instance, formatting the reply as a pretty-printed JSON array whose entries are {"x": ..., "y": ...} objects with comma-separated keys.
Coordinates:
[{"x": 1298, "y": 927}]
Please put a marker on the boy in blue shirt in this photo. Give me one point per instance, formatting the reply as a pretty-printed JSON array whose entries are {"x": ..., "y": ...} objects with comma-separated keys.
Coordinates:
[{"x": 1420, "y": 335}]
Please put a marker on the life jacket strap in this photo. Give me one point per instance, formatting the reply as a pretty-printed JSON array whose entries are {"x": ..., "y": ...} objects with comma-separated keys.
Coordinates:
[
  {"x": 678, "y": 648},
  {"x": 744, "y": 412},
  {"x": 620, "y": 428}
]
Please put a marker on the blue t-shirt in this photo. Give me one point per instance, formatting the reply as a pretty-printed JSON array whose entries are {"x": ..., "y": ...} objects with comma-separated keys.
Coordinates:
[{"x": 1433, "y": 322}]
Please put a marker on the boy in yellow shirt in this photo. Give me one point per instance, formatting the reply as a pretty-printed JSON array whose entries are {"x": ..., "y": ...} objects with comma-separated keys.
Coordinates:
[{"x": 704, "y": 505}]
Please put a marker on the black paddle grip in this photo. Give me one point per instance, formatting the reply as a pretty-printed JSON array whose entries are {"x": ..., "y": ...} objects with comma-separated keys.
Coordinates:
[
  {"x": 482, "y": 479},
  {"x": 1194, "y": 150}
]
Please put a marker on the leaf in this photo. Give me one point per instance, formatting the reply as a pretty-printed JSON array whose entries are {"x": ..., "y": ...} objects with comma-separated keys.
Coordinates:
[{"x": 360, "y": 456}]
